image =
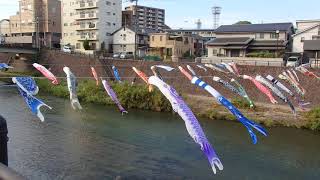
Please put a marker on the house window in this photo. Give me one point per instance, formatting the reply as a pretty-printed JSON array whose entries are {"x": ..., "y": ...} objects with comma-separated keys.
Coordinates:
[
  {"x": 261, "y": 35},
  {"x": 274, "y": 35},
  {"x": 214, "y": 52},
  {"x": 152, "y": 38},
  {"x": 124, "y": 37},
  {"x": 302, "y": 39},
  {"x": 160, "y": 38},
  {"x": 108, "y": 13},
  {"x": 65, "y": 24},
  {"x": 78, "y": 46},
  {"x": 108, "y": 3}
]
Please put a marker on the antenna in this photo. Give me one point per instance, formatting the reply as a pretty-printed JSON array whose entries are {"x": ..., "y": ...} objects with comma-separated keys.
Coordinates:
[
  {"x": 216, "y": 11},
  {"x": 198, "y": 23}
]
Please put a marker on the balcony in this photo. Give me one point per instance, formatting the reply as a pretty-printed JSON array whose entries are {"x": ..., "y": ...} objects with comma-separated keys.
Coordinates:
[
  {"x": 86, "y": 26},
  {"x": 86, "y": 16},
  {"x": 88, "y": 37},
  {"x": 91, "y": 5}
]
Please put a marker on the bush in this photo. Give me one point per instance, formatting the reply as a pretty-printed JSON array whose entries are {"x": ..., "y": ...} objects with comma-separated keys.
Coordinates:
[
  {"x": 130, "y": 96},
  {"x": 313, "y": 118},
  {"x": 240, "y": 103},
  {"x": 86, "y": 44},
  {"x": 261, "y": 54}
]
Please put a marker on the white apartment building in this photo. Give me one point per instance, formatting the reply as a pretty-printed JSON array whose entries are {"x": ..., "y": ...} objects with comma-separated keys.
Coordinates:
[{"x": 92, "y": 20}]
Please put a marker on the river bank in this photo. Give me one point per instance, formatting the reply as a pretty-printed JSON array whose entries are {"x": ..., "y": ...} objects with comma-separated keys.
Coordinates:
[{"x": 138, "y": 97}]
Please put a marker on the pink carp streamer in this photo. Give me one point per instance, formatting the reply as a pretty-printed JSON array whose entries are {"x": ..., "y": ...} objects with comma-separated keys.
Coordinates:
[
  {"x": 306, "y": 72},
  {"x": 44, "y": 71},
  {"x": 95, "y": 75},
  {"x": 234, "y": 67},
  {"x": 262, "y": 88},
  {"x": 113, "y": 96}
]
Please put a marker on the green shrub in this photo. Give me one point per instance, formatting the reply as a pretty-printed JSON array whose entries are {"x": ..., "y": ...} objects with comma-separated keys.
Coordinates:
[
  {"x": 261, "y": 54},
  {"x": 313, "y": 118},
  {"x": 240, "y": 103},
  {"x": 130, "y": 96}
]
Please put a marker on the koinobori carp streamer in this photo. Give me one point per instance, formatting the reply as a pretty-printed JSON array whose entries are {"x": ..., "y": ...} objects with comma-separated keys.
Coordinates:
[
  {"x": 72, "y": 87},
  {"x": 28, "y": 88},
  {"x": 222, "y": 100},
  {"x": 46, "y": 73},
  {"x": 192, "y": 125},
  {"x": 113, "y": 96}
]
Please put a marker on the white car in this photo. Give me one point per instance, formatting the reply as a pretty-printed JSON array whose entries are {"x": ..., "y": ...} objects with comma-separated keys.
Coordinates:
[
  {"x": 126, "y": 55},
  {"x": 66, "y": 49},
  {"x": 116, "y": 55},
  {"x": 293, "y": 61}
]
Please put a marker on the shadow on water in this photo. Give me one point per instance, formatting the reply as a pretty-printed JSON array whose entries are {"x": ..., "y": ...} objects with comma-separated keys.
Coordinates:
[{"x": 100, "y": 143}]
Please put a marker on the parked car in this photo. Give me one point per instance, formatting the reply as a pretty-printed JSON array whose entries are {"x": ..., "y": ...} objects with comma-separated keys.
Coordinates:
[
  {"x": 66, "y": 49},
  {"x": 116, "y": 55},
  {"x": 293, "y": 61},
  {"x": 126, "y": 55}
]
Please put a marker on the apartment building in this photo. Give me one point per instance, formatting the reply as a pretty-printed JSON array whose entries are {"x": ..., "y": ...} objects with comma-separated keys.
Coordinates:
[
  {"x": 90, "y": 20},
  {"x": 36, "y": 22},
  {"x": 148, "y": 18},
  {"x": 206, "y": 34},
  {"x": 239, "y": 40}
]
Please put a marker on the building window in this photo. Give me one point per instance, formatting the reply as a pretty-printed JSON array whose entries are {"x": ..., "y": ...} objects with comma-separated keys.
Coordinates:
[
  {"x": 160, "y": 38},
  {"x": 78, "y": 46},
  {"x": 108, "y": 3},
  {"x": 108, "y": 13},
  {"x": 65, "y": 24},
  {"x": 152, "y": 38},
  {"x": 108, "y": 34},
  {"x": 124, "y": 37},
  {"x": 302, "y": 39},
  {"x": 108, "y": 24}
]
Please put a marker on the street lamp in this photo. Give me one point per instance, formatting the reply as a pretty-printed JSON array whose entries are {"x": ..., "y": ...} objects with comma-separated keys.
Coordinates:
[{"x": 277, "y": 35}]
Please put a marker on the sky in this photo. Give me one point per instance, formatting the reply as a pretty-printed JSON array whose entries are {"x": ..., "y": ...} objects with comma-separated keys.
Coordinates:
[{"x": 184, "y": 13}]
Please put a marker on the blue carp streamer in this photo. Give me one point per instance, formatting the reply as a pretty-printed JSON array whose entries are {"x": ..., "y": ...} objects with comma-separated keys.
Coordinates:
[
  {"x": 246, "y": 122},
  {"x": 27, "y": 88},
  {"x": 116, "y": 73}
]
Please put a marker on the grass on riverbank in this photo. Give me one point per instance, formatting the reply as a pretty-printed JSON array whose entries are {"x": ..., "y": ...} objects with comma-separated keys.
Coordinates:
[
  {"x": 313, "y": 118},
  {"x": 130, "y": 96}
]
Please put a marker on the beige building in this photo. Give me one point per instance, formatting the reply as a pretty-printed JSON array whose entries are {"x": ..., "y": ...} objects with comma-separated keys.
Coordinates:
[
  {"x": 36, "y": 22},
  {"x": 148, "y": 18},
  {"x": 92, "y": 20},
  {"x": 240, "y": 40},
  {"x": 170, "y": 46}
]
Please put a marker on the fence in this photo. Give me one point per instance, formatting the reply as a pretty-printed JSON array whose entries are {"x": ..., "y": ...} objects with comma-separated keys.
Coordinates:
[{"x": 273, "y": 63}]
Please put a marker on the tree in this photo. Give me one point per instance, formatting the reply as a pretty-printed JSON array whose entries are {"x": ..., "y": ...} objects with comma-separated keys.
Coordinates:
[
  {"x": 242, "y": 22},
  {"x": 86, "y": 44}
]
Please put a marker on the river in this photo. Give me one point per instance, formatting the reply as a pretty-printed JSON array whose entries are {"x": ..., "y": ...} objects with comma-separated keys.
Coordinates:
[{"x": 99, "y": 143}]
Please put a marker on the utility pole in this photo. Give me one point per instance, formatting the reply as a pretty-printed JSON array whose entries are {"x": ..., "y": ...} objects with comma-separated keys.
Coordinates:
[
  {"x": 38, "y": 35},
  {"x": 135, "y": 29}
]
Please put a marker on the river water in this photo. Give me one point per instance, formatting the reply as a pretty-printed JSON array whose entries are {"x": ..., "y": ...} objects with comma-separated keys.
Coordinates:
[{"x": 99, "y": 143}]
